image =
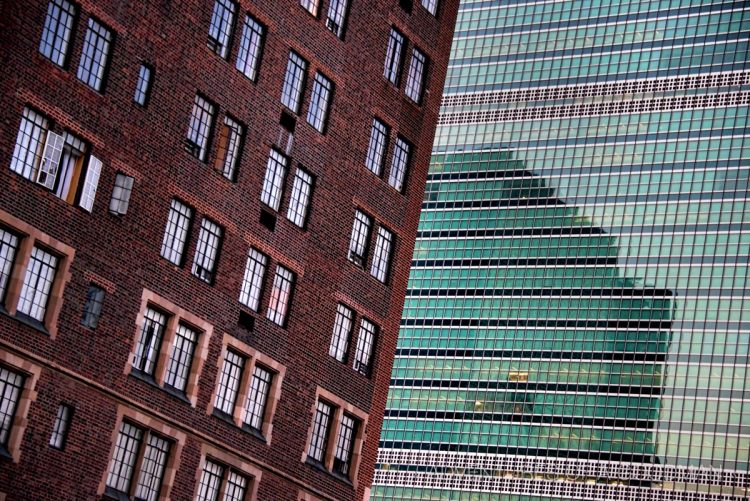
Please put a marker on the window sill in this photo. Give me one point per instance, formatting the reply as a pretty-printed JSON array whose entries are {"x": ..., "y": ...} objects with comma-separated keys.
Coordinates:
[
  {"x": 149, "y": 379},
  {"x": 320, "y": 466},
  {"x": 219, "y": 414},
  {"x": 26, "y": 320}
]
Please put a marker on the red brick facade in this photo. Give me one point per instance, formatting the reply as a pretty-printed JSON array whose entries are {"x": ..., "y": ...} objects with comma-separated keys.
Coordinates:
[{"x": 64, "y": 362}]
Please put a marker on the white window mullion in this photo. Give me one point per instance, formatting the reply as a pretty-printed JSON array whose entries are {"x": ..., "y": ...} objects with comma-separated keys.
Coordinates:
[
  {"x": 47, "y": 174},
  {"x": 90, "y": 183}
]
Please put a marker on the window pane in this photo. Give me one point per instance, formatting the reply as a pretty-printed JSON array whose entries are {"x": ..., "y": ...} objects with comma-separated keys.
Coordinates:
[
  {"x": 40, "y": 274},
  {"x": 280, "y": 295},
  {"x": 400, "y": 163},
  {"x": 10, "y": 390},
  {"x": 255, "y": 407},
  {"x": 143, "y": 86},
  {"x": 28, "y": 150},
  {"x": 149, "y": 342},
  {"x": 175, "y": 234},
  {"x": 178, "y": 370},
  {"x": 382, "y": 256},
  {"x": 8, "y": 248},
  {"x": 207, "y": 250},
  {"x": 220, "y": 30},
  {"x": 274, "y": 180},
  {"x": 60, "y": 429},
  {"x": 57, "y": 30},
  {"x": 121, "y": 194},
  {"x": 152, "y": 468},
  {"x": 415, "y": 80},
  {"x": 344, "y": 445},
  {"x": 336, "y": 16},
  {"x": 124, "y": 457},
  {"x": 319, "y": 102},
  {"x": 393, "y": 55},
  {"x": 229, "y": 382},
  {"x": 95, "y": 54},
  {"x": 291, "y": 92},
  {"x": 358, "y": 241},
  {"x": 342, "y": 329},
  {"x": 300, "y": 199},
  {"x": 252, "y": 283},
  {"x": 201, "y": 122},
  {"x": 365, "y": 344},
  {"x": 208, "y": 489},
  {"x": 376, "y": 148},
  {"x": 248, "y": 58},
  {"x": 320, "y": 432},
  {"x": 92, "y": 310}
]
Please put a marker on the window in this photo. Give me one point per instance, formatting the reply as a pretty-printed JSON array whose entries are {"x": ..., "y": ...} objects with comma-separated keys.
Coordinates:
[
  {"x": 199, "y": 131},
  {"x": 321, "y": 427},
  {"x": 300, "y": 199},
  {"x": 430, "y": 5},
  {"x": 252, "y": 283},
  {"x": 281, "y": 293},
  {"x": 337, "y": 17},
  {"x": 8, "y": 248},
  {"x": 181, "y": 358},
  {"x": 257, "y": 397},
  {"x": 217, "y": 478},
  {"x": 229, "y": 382},
  {"x": 120, "y": 200},
  {"x": 360, "y": 235},
  {"x": 28, "y": 150},
  {"x": 294, "y": 82},
  {"x": 393, "y": 57},
  {"x": 37, "y": 284},
  {"x": 376, "y": 148},
  {"x": 92, "y": 310},
  {"x": 207, "y": 250},
  {"x": 382, "y": 255},
  {"x": 149, "y": 343},
  {"x": 230, "y": 148},
  {"x": 342, "y": 457},
  {"x": 311, "y": 6},
  {"x": 251, "y": 45},
  {"x": 415, "y": 79},
  {"x": 220, "y": 30},
  {"x": 399, "y": 164},
  {"x": 176, "y": 232},
  {"x": 95, "y": 55},
  {"x": 58, "y": 28},
  {"x": 365, "y": 345},
  {"x": 319, "y": 102},
  {"x": 11, "y": 385},
  {"x": 274, "y": 180},
  {"x": 143, "y": 86},
  {"x": 60, "y": 429},
  {"x": 137, "y": 448},
  {"x": 342, "y": 329}
]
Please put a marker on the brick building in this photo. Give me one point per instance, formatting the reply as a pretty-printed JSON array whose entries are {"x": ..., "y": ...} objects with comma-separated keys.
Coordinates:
[{"x": 207, "y": 216}]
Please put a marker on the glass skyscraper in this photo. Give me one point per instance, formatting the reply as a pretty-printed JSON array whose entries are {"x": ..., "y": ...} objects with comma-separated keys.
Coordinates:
[{"x": 577, "y": 321}]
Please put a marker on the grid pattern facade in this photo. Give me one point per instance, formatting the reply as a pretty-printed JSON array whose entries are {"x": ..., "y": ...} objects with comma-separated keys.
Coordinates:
[{"x": 576, "y": 317}]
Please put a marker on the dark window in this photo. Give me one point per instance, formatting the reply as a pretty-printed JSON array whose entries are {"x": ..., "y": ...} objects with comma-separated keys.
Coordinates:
[
  {"x": 365, "y": 347},
  {"x": 149, "y": 342},
  {"x": 231, "y": 137},
  {"x": 92, "y": 310},
  {"x": 229, "y": 382},
  {"x": 376, "y": 148},
  {"x": 320, "y": 101},
  {"x": 415, "y": 79},
  {"x": 181, "y": 358},
  {"x": 257, "y": 398}
]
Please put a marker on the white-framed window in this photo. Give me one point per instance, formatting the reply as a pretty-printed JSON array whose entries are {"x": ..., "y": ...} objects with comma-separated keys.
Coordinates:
[
  {"x": 381, "y": 258},
  {"x": 58, "y": 29},
  {"x": 40, "y": 274},
  {"x": 252, "y": 282},
  {"x": 415, "y": 79},
  {"x": 229, "y": 382},
  {"x": 181, "y": 358},
  {"x": 393, "y": 56},
  {"x": 137, "y": 446},
  {"x": 320, "y": 102},
  {"x": 358, "y": 240},
  {"x": 60, "y": 428},
  {"x": 230, "y": 147},
  {"x": 365, "y": 347},
  {"x": 257, "y": 397},
  {"x": 281, "y": 294},
  {"x": 95, "y": 56},
  {"x": 207, "y": 250},
  {"x": 220, "y": 29},
  {"x": 300, "y": 198},
  {"x": 201, "y": 124},
  {"x": 342, "y": 456},
  {"x": 143, "y": 85},
  {"x": 377, "y": 147},
  {"x": 251, "y": 46},
  {"x": 320, "y": 431},
  {"x": 217, "y": 478},
  {"x": 149, "y": 342},
  {"x": 337, "y": 16},
  {"x": 311, "y": 6},
  {"x": 121, "y": 192},
  {"x": 8, "y": 248},
  {"x": 399, "y": 164},
  {"x": 273, "y": 182},
  {"x": 11, "y": 386},
  {"x": 176, "y": 232},
  {"x": 342, "y": 330},
  {"x": 431, "y": 6},
  {"x": 294, "y": 82}
]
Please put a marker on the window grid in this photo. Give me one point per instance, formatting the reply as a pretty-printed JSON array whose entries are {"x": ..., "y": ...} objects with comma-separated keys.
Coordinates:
[
  {"x": 431, "y": 6},
  {"x": 199, "y": 130},
  {"x": 37, "y": 284},
  {"x": 321, "y": 424},
  {"x": 393, "y": 57},
  {"x": 176, "y": 232},
  {"x": 358, "y": 241},
  {"x": 365, "y": 345},
  {"x": 251, "y": 44},
  {"x": 399, "y": 164},
  {"x": 382, "y": 256},
  {"x": 257, "y": 397},
  {"x": 60, "y": 428},
  {"x": 210, "y": 483},
  {"x": 311, "y": 6},
  {"x": 8, "y": 249},
  {"x": 300, "y": 198},
  {"x": 58, "y": 27},
  {"x": 230, "y": 145},
  {"x": 152, "y": 468},
  {"x": 143, "y": 86},
  {"x": 252, "y": 283},
  {"x": 342, "y": 330},
  {"x": 124, "y": 457},
  {"x": 178, "y": 370},
  {"x": 229, "y": 382},
  {"x": 344, "y": 445},
  {"x": 220, "y": 29},
  {"x": 376, "y": 148},
  {"x": 236, "y": 487},
  {"x": 121, "y": 192},
  {"x": 207, "y": 250},
  {"x": 149, "y": 342},
  {"x": 92, "y": 310},
  {"x": 320, "y": 100},
  {"x": 294, "y": 81},
  {"x": 11, "y": 385},
  {"x": 337, "y": 17},
  {"x": 274, "y": 180},
  {"x": 28, "y": 149},
  {"x": 95, "y": 55},
  {"x": 281, "y": 293},
  {"x": 415, "y": 79}
]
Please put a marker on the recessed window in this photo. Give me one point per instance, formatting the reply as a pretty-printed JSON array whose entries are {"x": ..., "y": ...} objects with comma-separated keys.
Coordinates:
[
  {"x": 60, "y": 428},
  {"x": 37, "y": 284},
  {"x": 199, "y": 130},
  {"x": 220, "y": 29},
  {"x": 337, "y": 16},
  {"x": 207, "y": 250},
  {"x": 121, "y": 192},
  {"x": 281, "y": 294},
  {"x": 359, "y": 238},
  {"x": 399, "y": 164},
  {"x": 342, "y": 330},
  {"x": 393, "y": 57},
  {"x": 251, "y": 45},
  {"x": 181, "y": 358},
  {"x": 149, "y": 342},
  {"x": 95, "y": 56},
  {"x": 216, "y": 479},
  {"x": 252, "y": 283},
  {"x": 58, "y": 29},
  {"x": 229, "y": 382},
  {"x": 382, "y": 256},
  {"x": 143, "y": 85},
  {"x": 319, "y": 102},
  {"x": 92, "y": 309},
  {"x": 294, "y": 82},
  {"x": 365, "y": 344},
  {"x": 431, "y": 6},
  {"x": 176, "y": 232},
  {"x": 28, "y": 150},
  {"x": 342, "y": 456},
  {"x": 274, "y": 180},
  {"x": 376, "y": 148},
  {"x": 311, "y": 6},
  {"x": 257, "y": 397},
  {"x": 8, "y": 248},
  {"x": 321, "y": 428},
  {"x": 415, "y": 79},
  {"x": 300, "y": 198},
  {"x": 11, "y": 385},
  {"x": 230, "y": 147}
]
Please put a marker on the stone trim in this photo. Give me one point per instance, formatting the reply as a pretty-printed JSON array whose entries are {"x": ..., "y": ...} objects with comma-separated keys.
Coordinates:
[
  {"x": 31, "y": 372},
  {"x": 248, "y": 470},
  {"x": 303, "y": 496}
]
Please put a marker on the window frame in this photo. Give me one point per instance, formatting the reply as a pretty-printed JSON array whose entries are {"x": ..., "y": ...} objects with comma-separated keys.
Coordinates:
[
  {"x": 223, "y": 49},
  {"x": 119, "y": 201},
  {"x": 61, "y": 427},
  {"x": 321, "y": 99},
  {"x": 365, "y": 347},
  {"x": 204, "y": 130},
  {"x": 208, "y": 254},
  {"x": 91, "y": 315},
  {"x": 279, "y": 306},
  {"x": 177, "y": 257},
  {"x": 380, "y": 268},
  {"x": 343, "y": 327},
  {"x": 394, "y": 56},
  {"x": 374, "y": 159},
  {"x": 340, "y": 7},
  {"x": 298, "y": 209},
  {"x": 274, "y": 179},
  {"x": 415, "y": 84},
  {"x": 18, "y": 423},
  {"x": 149, "y": 84},
  {"x": 230, "y": 463},
  {"x": 362, "y": 240},
  {"x": 70, "y": 31},
  {"x": 107, "y": 57},
  {"x": 231, "y": 144},
  {"x": 294, "y": 103},
  {"x": 397, "y": 177},
  {"x": 256, "y": 277},
  {"x": 258, "y": 56}
]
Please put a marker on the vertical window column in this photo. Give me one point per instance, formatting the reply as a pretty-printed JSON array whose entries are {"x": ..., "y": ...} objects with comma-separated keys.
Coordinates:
[
  {"x": 220, "y": 29},
  {"x": 281, "y": 294},
  {"x": 319, "y": 102},
  {"x": 176, "y": 232},
  {"x": 415, "y": 80},
  {"x": 337, "y": 17},
  {"x": 377, "y": 146},
  {"x": 359, "y": 238},
  {"x": 251, "y": 46},
  {"x": 274, "y": 180},
  {"x": 95, "y": 56},
  {"x": 58, "y": 28},
  {"x": 394, "y": 53},
  {"x": 399, "y": 164},
  {"x": 294, "y": 82},
  {"x": 201, "y": 125},
  {"x": 342, "y": 329}
]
